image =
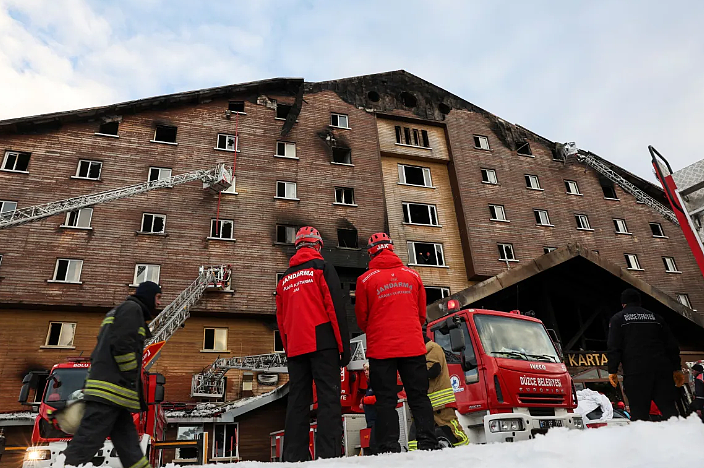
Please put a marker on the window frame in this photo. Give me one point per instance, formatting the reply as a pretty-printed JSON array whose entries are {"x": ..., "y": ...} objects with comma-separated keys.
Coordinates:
[
  {"x": 342, "y": 191},
  {"x": 236, "y": 456},
  {"x": 160, "y": 169},
  {"x": 412, "y": 137},
  {"x": 617, "y": 225},
  {"x": 281, "y": 104},
  {"x": 293, "y": 236},
  {"x": 502, "y": 250},
  {"x": 356, "y": 247},
  {"x": 612, "y": 187},
  {"x": 524, "y": 144},
  {"x": 2, "y": 206},
  {"x": 687, "y": 303},
  {"x": 348, "y": 153},
  {"x": 529, "y": 178},
  {"x": 153, "y": 215},
  {"x": 134, "y": 283},
  {"x": 432, "y": 213},
  {"x": 410, "y": 245},
  {"x": 338, "y": 115},
  {"x": 488, "y": 173},
  {"x": 427, "y": 176},
  {"x": 61, "y": 332},
  {"x": 216, "y": 350},
  {"x": 578, "y": 217},
  {"x": 221, "y": 222},
  {"x": 670, "y": 262},
  {"x": 227, "y": 137},
  {"x": 568, "y": 187},
  {"x": 287, "y": 145},
  {"x": 493, "y": 211},
  {"x": 286, "y": 184},
  {"x": 232, "y": 189},
  {"x": 17, "y": 155},
  {"x": 242, "y": 112},
  {"x": 479, "y": 138},
  {"x": 113, "y": 135},
  {"x": 78, "y": 218},
  {"x": 164, "y": 142},
  {"x": 444, "y": 291},
  {"x": 547, "y": 250},
  {"x": 90, "y": 165},
  {"x": 633, "y": 259},
  {"x": 538, "y": 213},
  {"x": 662, "y": 231},
  {"x": 68, "y": 267}
]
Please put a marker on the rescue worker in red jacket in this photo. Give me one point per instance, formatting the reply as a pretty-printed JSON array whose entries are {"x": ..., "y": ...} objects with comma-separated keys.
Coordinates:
[
  {"x": 312, "y": 323},
  {"x": 390, "y": 309}
]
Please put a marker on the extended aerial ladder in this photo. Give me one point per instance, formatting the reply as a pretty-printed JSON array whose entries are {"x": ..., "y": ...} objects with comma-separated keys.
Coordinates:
[
  {"x": 215, "y": 179},
  {"x": 211, "y": 384}
]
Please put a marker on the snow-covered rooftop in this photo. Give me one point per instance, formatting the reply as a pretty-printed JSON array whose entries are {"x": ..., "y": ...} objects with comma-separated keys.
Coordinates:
[{"x": 206, "y": 410}]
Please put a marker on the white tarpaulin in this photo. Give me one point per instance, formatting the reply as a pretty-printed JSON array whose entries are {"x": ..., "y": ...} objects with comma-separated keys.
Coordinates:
[{"x": 589, "y": 400}]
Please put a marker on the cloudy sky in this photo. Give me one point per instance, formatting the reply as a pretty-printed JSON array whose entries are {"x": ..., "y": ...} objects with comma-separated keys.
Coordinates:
[{"x": 613, "y": 76}]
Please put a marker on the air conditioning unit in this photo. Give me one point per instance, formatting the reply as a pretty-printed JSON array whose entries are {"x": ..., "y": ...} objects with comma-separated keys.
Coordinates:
[{"x": 268, "y": 379}]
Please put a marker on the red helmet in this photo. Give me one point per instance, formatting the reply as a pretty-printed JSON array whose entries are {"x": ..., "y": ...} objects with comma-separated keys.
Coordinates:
[
  {"x": 379, "y": 242},
  {"x": 308, "y": 236}
]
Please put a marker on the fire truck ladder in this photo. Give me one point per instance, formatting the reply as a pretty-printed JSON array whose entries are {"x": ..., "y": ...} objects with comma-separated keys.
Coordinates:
[
  {"x": 210, "y": 382},
  {"x": 595, "y": 163},
  {"x": 215, "y": 179}
]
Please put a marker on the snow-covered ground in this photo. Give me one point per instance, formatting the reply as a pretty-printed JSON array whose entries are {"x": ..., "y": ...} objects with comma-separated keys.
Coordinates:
[{"x": 676, "y": 443}]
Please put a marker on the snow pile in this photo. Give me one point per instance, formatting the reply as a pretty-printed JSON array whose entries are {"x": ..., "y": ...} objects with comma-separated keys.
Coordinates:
[
  {"x": 589, "y": 400},
  {"x": 640, "y": 444},
  {"x": 17, "y": 415}
]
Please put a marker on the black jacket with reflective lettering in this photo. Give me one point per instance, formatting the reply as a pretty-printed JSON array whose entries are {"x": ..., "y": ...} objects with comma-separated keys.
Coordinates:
[{"x": 642, "y": 342}]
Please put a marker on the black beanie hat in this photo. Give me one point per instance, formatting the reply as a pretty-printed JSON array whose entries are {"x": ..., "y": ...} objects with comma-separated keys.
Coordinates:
[
  {"x": 698, "y": 368},
  {"x": 146, "y": 292},
  {"x": 630, "y": 297}
]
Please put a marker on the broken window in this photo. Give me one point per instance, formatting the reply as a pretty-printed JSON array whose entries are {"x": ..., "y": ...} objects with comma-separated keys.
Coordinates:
[
  {"x": 572, "y": 187},
  {"x": 215, "y": 339},
  {"x": 88, "y": 169},
  {"x": 656, "y": 229},
  {"x": 236, "y": 106},
  {"x": 165, "y": 134},
  {"x": 489, "y": 176},
  {"x": 227, "y": 142},
  {"x": 408, "y": 99},
  {"x": 609, "y": 192},
  {"x": 339, "y": 120},
  {"x": 344, "y": 195},
  {"x": 144, "y": 272},
  {"x": 15, "y": 161},
  {"x": 670, "y": 265},
  {"x": 108, "y": 128},
  {"x": 548, "y": 249},
  {"x": 60, "y": 334},
  {"x": 282, "y": 110},
  {"x": 481, "y": 142},
  {"x": 79, "y": 218},
  {"x": 524, "y": 149},
  {"x": 222, "y": 229},
  {"x": 399, "y": 135},
  {"x": 285, "y": 149},
  {"x": 684, "y": 300},
  {"x": 542, "y": 218},
  {"x": 583, "y": 222},
  {"x": 414, "y": 175},
  {"x": 7, "y": 206},
  {"x": 347, "y": 238},
  {"x": 412, "y": 137},
  {"x": 68, "y": 270},
  {"x": 620, "y": 225},
  {"x": 423, "y": 253},
  {"x": 159, "y": 173},
  {"x": 632, "y": 262},
  {"x": 498, "y": 213},
  {"x": 407, "y": 135},
  {"x": 532, "y": 182},
  {"x": 286, "y": 190},
  {"x": 420, "y": 213},
  {"x": 153, "y": 223},
  {"x": 341, "y": 155},
  {"x": 232, "y": 188},
  {"x": 285, "y": 234},
  {"x": 435, "y": 293},
  {"x": 506, "y": 253}
]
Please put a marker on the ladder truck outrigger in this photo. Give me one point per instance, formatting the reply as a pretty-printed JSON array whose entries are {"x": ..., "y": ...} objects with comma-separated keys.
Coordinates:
[{"x": 65, "y": 380}]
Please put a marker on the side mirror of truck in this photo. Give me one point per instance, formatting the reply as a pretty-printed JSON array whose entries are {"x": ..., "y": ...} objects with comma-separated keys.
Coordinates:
[
  {"x": 468, "y": 362},
  {"x": 457, "y": 340},
  {"x": 159, "y": 390},
  {"x": 29, "y": 382}
]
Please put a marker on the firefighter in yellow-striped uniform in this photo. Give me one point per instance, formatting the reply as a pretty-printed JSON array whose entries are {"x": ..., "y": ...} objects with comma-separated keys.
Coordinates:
[
  {"x": 113, "y": 390},
  {"x": 442, "y": 396}
]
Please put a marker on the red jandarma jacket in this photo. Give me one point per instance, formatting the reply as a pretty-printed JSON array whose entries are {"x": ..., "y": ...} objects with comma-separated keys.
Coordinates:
[
  {"x": 310, "y": 309},
  {"x": 390, "y": 308}
]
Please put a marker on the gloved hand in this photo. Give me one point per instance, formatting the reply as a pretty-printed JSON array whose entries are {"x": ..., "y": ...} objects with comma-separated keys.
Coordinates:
[
  {"x": 345, "y": 358},
  {"x": 613, "y": 378},
  {"x": 678, "y": 377}
]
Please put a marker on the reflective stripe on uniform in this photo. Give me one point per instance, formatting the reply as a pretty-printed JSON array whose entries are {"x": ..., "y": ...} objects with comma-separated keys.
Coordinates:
[
  {"x": 128, "y": 366},
  {"x": 442, "y": 397},
  {"x": 126, "y": 357},
  {"x": 142, "y": 463},
  {"x": 461, "y": 437},
  {"x": 107, "y": 321},
  {"x": 141, "y": 331},
  {"x": 111, "y": 387},
  {"x": 412, "y": 445},
  {"x": 129, "y": 404}
]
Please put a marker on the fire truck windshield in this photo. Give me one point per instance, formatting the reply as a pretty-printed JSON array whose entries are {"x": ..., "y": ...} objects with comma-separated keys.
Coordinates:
[
  {"x": 512, "y": 338},
  {"x": 62, "y": 383}
]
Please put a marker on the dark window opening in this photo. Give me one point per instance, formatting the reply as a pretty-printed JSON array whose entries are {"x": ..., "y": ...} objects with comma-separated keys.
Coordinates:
[
  {"x": 89, "y": 169},
  {"x": 656, "y": 229},
  {"x": 236, "y": 106},
  {"x": 419, "y": 214},
  {"x": 109, "y": 128},
  {"x": 444, "y": 108},
  {"x": 209, "y": 340},
  {"x": 347, "y": 238},
  {"x": 282, "y": 111},
  {"x": 506, "y": 252},
  {"x": 285, "y": 234},
  {"x": 278, "y": 344},
  {"x": 398, "y": 135},
  {"x": 16, "y": 161},
  {"x": 426, "y": 141},
  {"x": 165, "y": 133},
  {"x": 373, "y": 96},
  {"x": 54, "y": 334},
  {"x": 428, "y": 254},
  {"x": 524, "y": 149},
  {"x": 408, "y": 99},
  {"x": 344, "y": 195},
  {"x": 609, "y": 191},
  {"x": 433, "y": 294},
  {"x": 416, "y": 137},
  {"x": 61, "y": 270},
  {"x": 342, "y": 155},
  {"x": 414, "y": 175},
  {"x": 407, "y": 135}
]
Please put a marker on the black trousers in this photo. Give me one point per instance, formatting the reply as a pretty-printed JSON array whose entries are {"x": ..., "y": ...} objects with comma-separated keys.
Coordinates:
[
  {"x": 643, "y": 388},
  {"x": 100, "y": 421},
  {"x": 414, "y": 375},
  {"x": 323, "y": 368}
]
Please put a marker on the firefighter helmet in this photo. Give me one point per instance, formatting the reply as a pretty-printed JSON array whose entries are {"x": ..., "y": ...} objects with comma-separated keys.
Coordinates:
[
  {"x": 379, "y": 242},
  {"x": 308, "y": 236}
]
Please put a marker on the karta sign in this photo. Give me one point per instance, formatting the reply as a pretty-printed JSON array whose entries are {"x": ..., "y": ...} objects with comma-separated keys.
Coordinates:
[{"x": 586, "y": 359}]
